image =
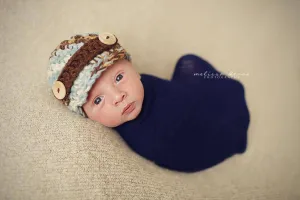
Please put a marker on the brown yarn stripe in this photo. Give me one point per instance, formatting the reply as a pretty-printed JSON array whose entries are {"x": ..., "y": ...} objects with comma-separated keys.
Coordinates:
[{"x": 78, "y": 61}]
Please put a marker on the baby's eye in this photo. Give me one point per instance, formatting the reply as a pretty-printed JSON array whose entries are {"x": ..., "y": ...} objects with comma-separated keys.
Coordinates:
[
  {"x": 98, "y": 100},
  {"x": 119, "y": 77}
]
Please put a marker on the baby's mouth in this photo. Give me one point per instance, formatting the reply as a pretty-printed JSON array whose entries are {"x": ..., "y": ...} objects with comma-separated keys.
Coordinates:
[{"x": 129, "y": 108}]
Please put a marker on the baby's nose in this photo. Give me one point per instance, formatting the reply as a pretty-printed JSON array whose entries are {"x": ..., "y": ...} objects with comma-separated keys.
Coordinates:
[{"x": 119, "y": 98}]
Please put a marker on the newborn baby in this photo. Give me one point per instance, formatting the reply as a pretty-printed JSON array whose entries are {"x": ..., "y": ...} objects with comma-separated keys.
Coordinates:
[{"x": 187, "y": 124}]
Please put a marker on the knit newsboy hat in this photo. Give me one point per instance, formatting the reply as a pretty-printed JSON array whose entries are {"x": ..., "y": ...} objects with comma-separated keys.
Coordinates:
[{"x": 75, "y": 65}]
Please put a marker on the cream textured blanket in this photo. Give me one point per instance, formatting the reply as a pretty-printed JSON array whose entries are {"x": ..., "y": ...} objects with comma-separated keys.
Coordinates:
[{"x": 47, "y": 152}]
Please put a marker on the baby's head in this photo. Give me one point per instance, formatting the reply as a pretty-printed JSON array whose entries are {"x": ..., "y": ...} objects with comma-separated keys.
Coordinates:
[{"x": 93, "y": 76}]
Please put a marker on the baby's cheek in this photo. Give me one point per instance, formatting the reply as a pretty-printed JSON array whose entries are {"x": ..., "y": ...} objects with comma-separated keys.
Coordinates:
[{"x": 112, "y": 121}]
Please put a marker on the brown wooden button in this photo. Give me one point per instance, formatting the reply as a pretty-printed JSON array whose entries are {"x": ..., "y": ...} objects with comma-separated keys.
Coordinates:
[
  {"x": 59, "y": 90},
  {"x": 107, "y": 38}
]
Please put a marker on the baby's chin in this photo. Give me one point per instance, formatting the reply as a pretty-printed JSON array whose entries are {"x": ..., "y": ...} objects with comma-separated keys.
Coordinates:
[
  {"x": 131, "y": 116},
  {"x": 135, "y": 112},
  {"x": 112, "y": 123}
]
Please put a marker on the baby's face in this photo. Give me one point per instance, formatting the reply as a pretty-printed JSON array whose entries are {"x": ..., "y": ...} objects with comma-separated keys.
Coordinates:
[{"x": 118, "y": 86}]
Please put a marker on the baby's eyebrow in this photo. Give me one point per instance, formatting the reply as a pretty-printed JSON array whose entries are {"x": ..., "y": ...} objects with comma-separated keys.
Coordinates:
[
  {"x": 89, "y": 98},
  {"x": 92, "y": 95}
]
